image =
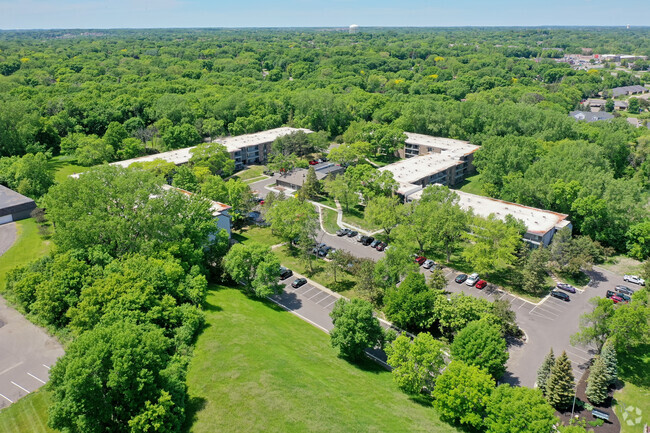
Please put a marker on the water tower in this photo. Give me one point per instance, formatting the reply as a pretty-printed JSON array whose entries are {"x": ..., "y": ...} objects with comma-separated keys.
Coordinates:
[{"x": 354, "y": 28}]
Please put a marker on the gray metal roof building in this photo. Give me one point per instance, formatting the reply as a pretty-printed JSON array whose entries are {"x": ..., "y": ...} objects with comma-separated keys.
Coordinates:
[
  {"x": 14, "y": 206},
  {"x": 588, "y": 116}
]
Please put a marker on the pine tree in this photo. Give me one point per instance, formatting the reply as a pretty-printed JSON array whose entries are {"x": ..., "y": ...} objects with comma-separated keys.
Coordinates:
[
  {"x": 597, "y": 383},
  {"x": 311, "y": 186},
  {"x": 608, "y": 355},
  {"x": 560, "y": 385},
  {"x": 544, "y": 371}
]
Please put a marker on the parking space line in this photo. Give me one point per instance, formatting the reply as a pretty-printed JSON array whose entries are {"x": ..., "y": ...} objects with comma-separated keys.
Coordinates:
[
  {"x": 42, "y": 381},
  {"x": 576, "y": 355},
  {"x": 541, "y": 315},
  {"x": 319, "y": 293},
  {"x": 581, "y": 350},
  {"x": 331, "y": 303},
  {"x": 45, "y": 366},
  {"x": 307, "y": 291},
  {"x": 10, "y": 368},
  {"x": 14, "y": 383},
  {"x": 554, "y": 307},
  {"x": 326, "y": 299},
  {"x": 7, "y": 398}
]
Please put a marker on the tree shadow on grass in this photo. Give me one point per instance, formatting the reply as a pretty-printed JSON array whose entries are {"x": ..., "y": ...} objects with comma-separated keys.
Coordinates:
[
  {"x": 192, "y": 408},
  {"x": 634, "y": 365},
  {"x": 421, "y": 399}
]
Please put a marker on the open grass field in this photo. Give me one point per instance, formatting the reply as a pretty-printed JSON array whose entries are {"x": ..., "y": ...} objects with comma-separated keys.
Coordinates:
[
  {"x": 252, "y": 172},
  {"x": 258, "y": 368},
  {"x": 355, "y": 216},
  {"x": 29, "y": 246},
  {"x": 261, "y": 235},
  {"x": 329, "y": 220},
  {"x": 27, "y": 415},
  {"x": 633, "y": 401},
  {"x": 62, "y": 167}
]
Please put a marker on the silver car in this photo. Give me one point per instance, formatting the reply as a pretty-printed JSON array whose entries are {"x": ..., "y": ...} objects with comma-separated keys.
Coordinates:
[
  {"x": 472, "y": 279},
  {"x": 634, "y": 279},
  {"x": 429, "y": 264}
]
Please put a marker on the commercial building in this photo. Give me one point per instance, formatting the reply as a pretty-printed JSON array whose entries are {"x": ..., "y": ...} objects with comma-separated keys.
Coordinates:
[
  {"x": 296, "y": 178},
  {"x": 244, "y": 149},
  {"x": 219, "y": 210},
  {"x": 430, "y": 160},
  {"x": 541, "y": 224},
  {"x": 14, "y": 206}
]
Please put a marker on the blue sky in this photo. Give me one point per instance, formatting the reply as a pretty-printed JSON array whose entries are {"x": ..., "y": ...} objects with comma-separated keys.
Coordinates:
[{"x": 35, "y": 14}]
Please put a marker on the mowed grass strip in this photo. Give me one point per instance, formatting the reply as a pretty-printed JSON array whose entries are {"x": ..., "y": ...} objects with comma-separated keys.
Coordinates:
[
  {"x": 259, "y": 368},
  {"x": 634, "y": 398},
  {"x": 330, "y": 220},
  {"x": 29, "y": 414}
]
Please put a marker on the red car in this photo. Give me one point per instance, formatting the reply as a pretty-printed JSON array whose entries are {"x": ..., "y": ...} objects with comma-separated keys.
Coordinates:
[
  {"x": 617, "y": 299},
  {"x": 480, "y": 284},
  {"x": 313, "y": 162},
  {"x": 419, "y": 260}
]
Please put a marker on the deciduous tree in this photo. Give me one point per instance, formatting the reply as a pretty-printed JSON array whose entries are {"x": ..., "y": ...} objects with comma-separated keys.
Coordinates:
[
  {"x": 416, "y": 363},
  {"x": 355, "y": 328},
  {"x": 518, "y": 410},
  {"x": 482, "y": 344},
  {"x": 411, "y": 304}
]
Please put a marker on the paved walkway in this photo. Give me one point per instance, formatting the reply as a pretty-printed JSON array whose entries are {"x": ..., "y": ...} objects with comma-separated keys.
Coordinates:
[{"x": 7, "y": 236}]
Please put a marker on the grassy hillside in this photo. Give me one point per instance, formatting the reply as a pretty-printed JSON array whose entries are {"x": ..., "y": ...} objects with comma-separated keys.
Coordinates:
[
  {"x": 29, "y": 246},
  {"x": 259, "y": 368},
  {"x": 633, "y": 401}
]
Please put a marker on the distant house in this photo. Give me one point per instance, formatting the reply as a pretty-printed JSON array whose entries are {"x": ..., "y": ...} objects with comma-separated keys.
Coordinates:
[
  {"x": 296, "y": 178},
  {"x": 628, "y": 90},
  {"x": 14, "y": 206},
  {"x": 596, "y": 105},
  {"x": 620, "y": 105},
  {"x": 589, "y": 117}
]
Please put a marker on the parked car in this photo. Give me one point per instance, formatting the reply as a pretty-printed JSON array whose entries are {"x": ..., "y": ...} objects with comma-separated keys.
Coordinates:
[
  {"x": 481, "y": 284},
  {"x": 609, "y": 294},
  {"x": 420, "y": 260},
  {"x": 342, "y": 232},
  {"x": 361, "y": 238},
  {"x": 368, "y": 241},
  {"x": 624, "y": 297},
  {"x": 617, "y": 299},
  {"x": 317, "y": 248},
  {"x": 322, "y": 252},
  {"x": 374, "y": 243},
  {"x": 428, "y": 264},
  {"x": 381, "y": 246},
  {"x": 635, "y": 279},
  {"x": 624, "y": 289},
  {"x": 472, "y": 279},
  {"x": 313, "y": 162},
  {"x": 566, "y": 287},
  {"x": 352, "y": 233},
  {"x": 560, "y": 295},
  {"x": 460, "y": 278},
  {"x": 298, "y": 282},
  {"x": 285, "y": 273}
]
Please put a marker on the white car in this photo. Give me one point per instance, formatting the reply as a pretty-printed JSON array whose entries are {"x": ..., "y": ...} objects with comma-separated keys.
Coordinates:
[
  {"x": 634, "y": 279},
  {"x": 429, "y": 264},
  {"x": 472, "y": 279}
]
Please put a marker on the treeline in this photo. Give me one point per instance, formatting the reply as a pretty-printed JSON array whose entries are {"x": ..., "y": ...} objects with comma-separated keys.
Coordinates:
[{"x": 124, "y": 287}]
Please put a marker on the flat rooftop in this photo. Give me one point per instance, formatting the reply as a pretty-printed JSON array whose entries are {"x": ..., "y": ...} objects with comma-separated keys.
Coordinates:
[
  {"x": 238, "y": 142},
  {"x": 537, "y": 221},
  {"x": 216, "y": 206},
  {"x": 449, "y": 153},
  {"x": 182, "y": 156},
  {"x": 11, "y": 201}
]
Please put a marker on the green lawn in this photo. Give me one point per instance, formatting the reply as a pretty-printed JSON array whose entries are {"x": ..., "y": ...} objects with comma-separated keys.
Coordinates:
[
  {"x": 329, "y": 220},
  {"x": 29, "y": 414},
  {"x": 252, "y": 172},
  {"x": 29, "y": 246},
  {"x": 259, "y": 368},
  {"x": 472, "y": 185},
  {"x": 634, "y": 398},
  {"x": 261, "y": 235},
  {"x": 326, "y": 200},
  {"x": 383, "y": 160},
  {"x": 355, "y": 216},
  {"x": 64, "y": 166}
]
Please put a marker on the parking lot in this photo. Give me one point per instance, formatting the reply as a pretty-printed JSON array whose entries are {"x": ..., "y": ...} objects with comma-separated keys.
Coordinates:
[{"x": 28, "y": 353}]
